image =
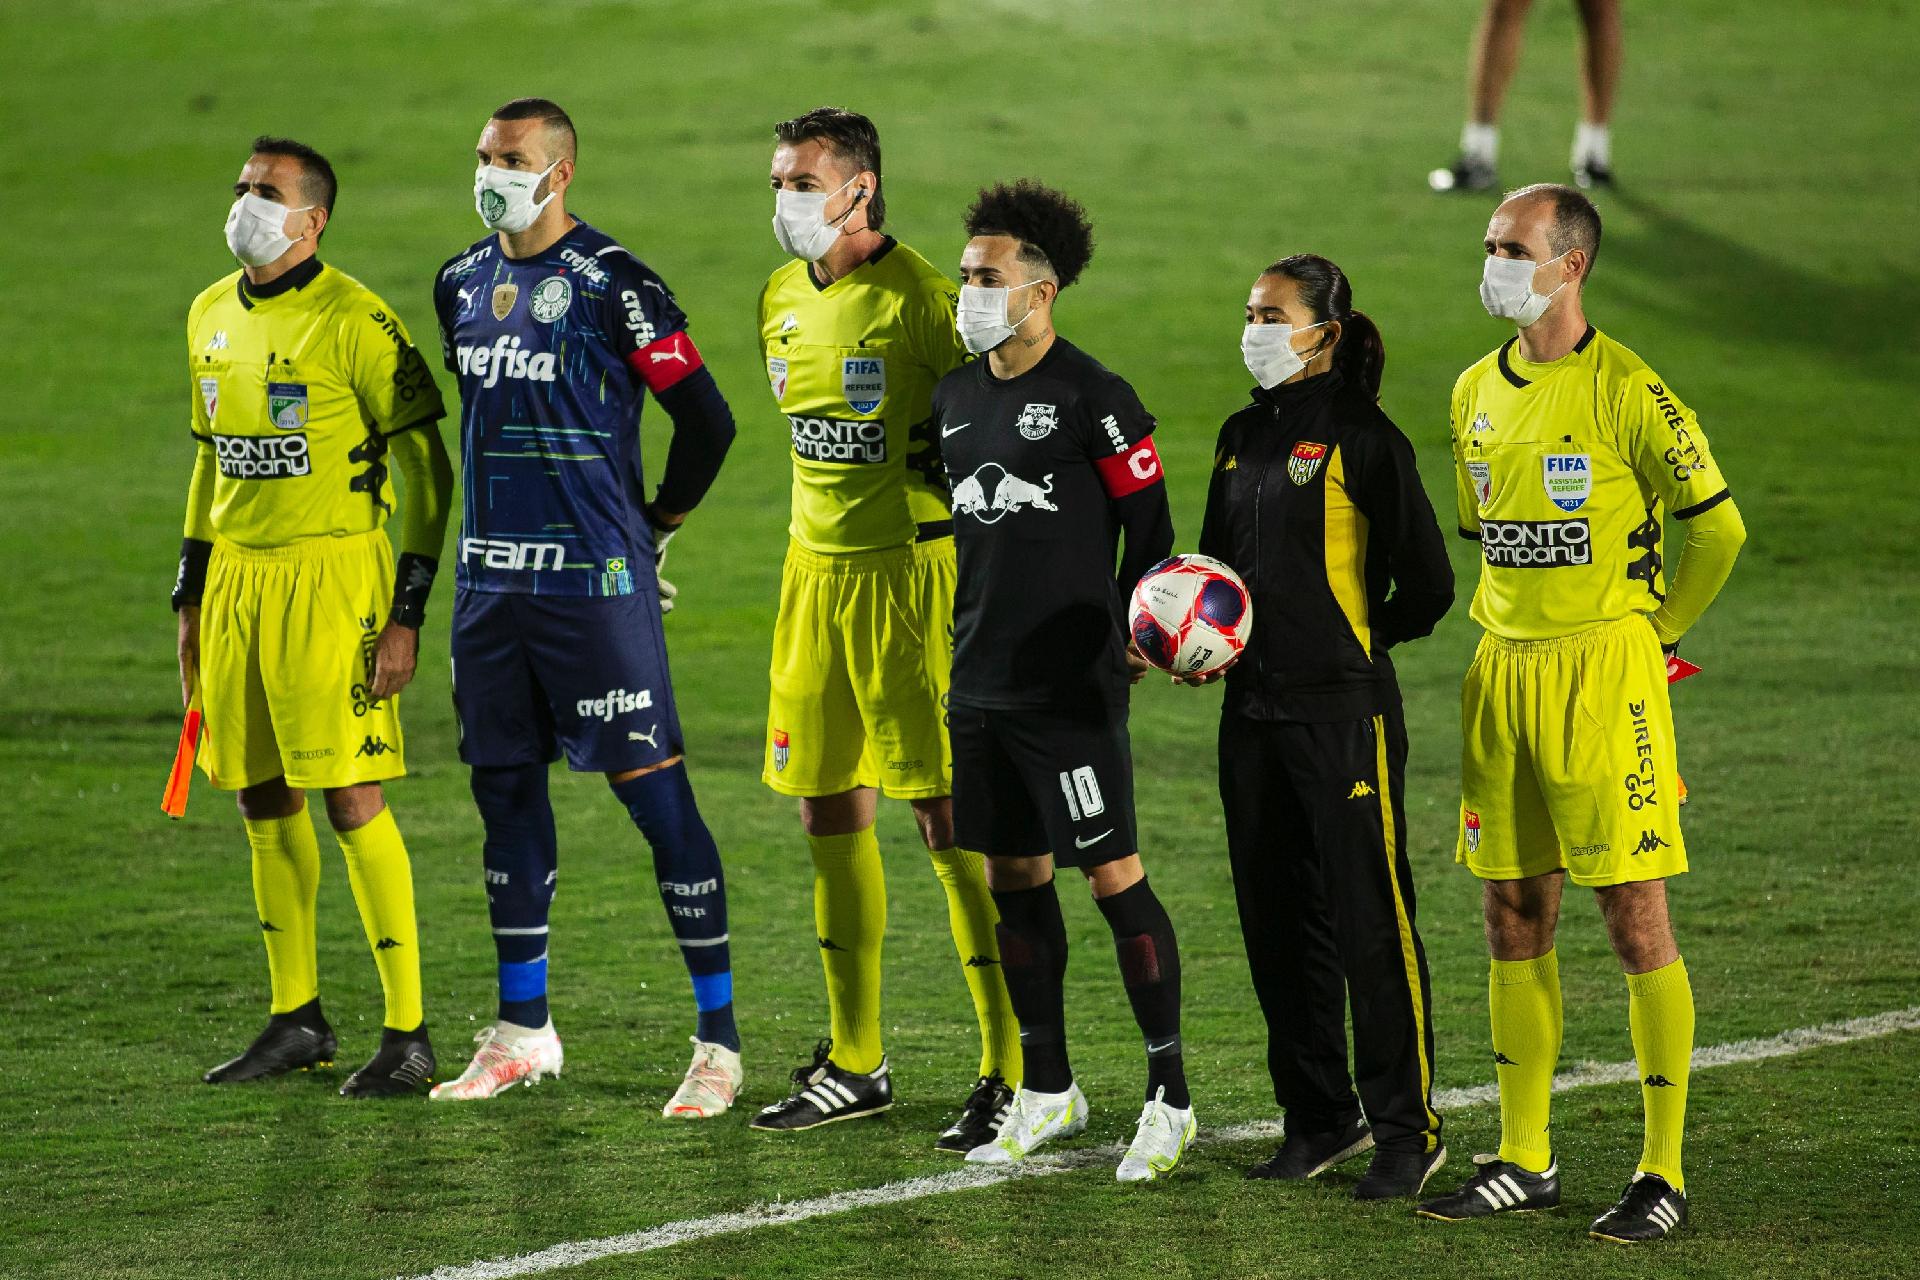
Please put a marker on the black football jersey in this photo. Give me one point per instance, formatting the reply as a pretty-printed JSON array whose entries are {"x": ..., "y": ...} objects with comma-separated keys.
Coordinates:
[{"x": 1046, "y": 469}]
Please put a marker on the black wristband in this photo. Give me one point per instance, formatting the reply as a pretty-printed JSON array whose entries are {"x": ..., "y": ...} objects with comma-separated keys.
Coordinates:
[
  {"x": 190, "y": 581},
  {"x": 412, "y": 581}
]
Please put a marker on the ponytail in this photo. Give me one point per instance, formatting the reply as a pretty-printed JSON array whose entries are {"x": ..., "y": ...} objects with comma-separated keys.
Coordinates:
[{"x": 1361, "y": 356}]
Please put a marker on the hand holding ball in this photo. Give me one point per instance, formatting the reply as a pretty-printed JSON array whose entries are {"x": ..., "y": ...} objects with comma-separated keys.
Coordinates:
[{"x": 1190, "y": 616}]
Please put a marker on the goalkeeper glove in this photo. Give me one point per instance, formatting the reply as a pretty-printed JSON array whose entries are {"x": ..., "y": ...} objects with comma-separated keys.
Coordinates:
[{"x": 662, "y": 534}]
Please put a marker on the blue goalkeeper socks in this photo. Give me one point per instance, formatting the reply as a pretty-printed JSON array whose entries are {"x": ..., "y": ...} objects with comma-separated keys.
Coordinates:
[
  {"x": 686, "y": 863},
  {"x": 521, "y": 857}
]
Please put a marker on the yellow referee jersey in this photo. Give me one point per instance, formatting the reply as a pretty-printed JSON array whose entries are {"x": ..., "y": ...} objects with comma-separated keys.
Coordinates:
[
  {"x": 853, "y": 365},
  {"x": 296, "y": 389},
  {"x": 1561, "y": 471}
]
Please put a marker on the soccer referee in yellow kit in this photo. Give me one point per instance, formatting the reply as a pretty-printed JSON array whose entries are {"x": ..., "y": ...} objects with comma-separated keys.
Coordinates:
[
  {"x": 296, "y": 633},
  {"x": 1569, "y": 450}
]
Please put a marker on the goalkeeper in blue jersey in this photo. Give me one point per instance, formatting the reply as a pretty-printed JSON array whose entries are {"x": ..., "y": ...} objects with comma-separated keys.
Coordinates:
[{"x": 556, "y": 335}]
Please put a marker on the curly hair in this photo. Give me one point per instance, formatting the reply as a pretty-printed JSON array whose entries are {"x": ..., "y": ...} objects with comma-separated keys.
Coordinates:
[{"x": 1051, "y": 226}]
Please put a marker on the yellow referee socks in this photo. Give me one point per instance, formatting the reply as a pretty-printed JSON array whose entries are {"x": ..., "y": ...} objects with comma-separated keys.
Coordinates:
[
  {"x": 382, "y": 880},
  {"x": 850, "y": 915},
  {"x": 971, "y": 913},
  {"x": 1524, "y": 999},
  {"x": 1660, "y": 1012},
  {"x": 286, "y": 879}
]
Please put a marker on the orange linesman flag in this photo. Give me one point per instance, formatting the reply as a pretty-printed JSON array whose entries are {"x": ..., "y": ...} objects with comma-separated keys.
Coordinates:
[{"x": 173, "y": 802}]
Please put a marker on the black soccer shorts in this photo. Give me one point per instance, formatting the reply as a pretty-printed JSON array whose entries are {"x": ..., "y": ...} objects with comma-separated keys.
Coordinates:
[{"x": 1027, "y": 783}]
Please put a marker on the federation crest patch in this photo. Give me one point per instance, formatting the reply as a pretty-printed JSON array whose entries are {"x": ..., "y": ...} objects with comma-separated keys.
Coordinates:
[
  {"x": 504, "y": 295},
  {"x": 1037, "y": 421},
  {"x": 777, "y": 376},
  {"x": 210, "y": 396},
  {"x": 550, "y": 299},
  {"x": 1568, "y": 478},
  {"x": 1304, "y": 465},
  {"x": 1481, "y": 473},
  {"x": 779, "y": 750},
  {"x": 863, "y": 380},
  {"x": 1470, "y": 827},
  {"x": 286, "y": 405}
]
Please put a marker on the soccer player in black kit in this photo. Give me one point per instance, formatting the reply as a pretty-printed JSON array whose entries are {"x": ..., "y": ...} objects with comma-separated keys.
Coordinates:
[{"x": 1053, "y": 467}]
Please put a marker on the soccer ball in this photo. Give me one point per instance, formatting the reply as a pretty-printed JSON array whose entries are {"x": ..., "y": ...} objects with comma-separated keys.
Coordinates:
[{"x": 1191, "y": 615}]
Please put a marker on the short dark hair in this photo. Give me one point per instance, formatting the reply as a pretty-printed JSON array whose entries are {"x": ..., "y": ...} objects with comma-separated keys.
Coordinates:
[
  {"x": 1576, "y": 222},
  {"x": 850, "y": 136},
  {"x": 547, "y": 112},
  {"x": 1051, "y": 226},
  {"x": 317, "y": 183}
]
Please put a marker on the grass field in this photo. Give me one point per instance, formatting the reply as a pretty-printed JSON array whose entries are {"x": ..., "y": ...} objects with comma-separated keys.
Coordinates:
[{"x": 1759, "y": 254}]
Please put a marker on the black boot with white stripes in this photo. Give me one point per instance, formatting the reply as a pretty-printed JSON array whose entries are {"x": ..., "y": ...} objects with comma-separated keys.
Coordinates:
[
  {"x": 824, "y": 1093},
  {"x": 1498, "y": 1186},
  {"x": 1649, "y": 1209}
]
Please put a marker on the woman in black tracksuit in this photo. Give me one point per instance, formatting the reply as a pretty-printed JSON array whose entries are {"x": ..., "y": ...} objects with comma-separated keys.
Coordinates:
[{"x": 1316, "y": 502}]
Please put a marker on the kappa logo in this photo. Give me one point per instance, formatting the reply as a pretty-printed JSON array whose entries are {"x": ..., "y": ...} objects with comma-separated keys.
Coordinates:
[
  {"x": 780, "y": 750},
  {"x": 1650, "y": 841},
  {"x": 1479, "y": 425},
  {"x": 1304, "y": 463},
  {"x": 1658, "y": 1081},
  {"x": 374, "y": 747},
  {"x": 1010, "y": 494},
  {"x": 1037, "y": 421},
  {"x": 863, "y": 381},
  {"x": 789, "y": 324},
  {"x": 1470, "y": 829},
  {"x": 550, "y": 299},
  {"x": 268, "y": 926},
  {"x": 828, "y": 944},
  {"x": 980, "y": 962},
  {"x": 1361, "y": 790},
  {"x": 386, "y": 944},
  {"x": 1502, "y": 1060},
  {"x": 777, "y": 375},
  {"x": 218, "y": 342},
  {"x": 1568, "y": 478}
]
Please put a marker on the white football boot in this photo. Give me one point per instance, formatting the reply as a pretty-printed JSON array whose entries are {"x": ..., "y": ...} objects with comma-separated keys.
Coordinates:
[
  {"x": 1162, "y": 1138},
  {"x": 508, "y": 1055},
  {"x": 1035, "y": 1118},
  {"x": 712, "y": 1083}
]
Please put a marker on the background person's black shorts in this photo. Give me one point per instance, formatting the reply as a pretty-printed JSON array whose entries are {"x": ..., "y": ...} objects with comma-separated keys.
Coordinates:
[{"x": 1032, "y": 782}]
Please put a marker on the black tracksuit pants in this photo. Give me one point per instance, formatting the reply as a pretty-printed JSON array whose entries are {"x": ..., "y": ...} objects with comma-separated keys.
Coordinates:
[{"x": 1315, "y": 832}]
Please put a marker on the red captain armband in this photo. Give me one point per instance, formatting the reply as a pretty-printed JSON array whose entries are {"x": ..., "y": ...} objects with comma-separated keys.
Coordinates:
[
  {"x": 663, "y": 363},
  {"x": 1130, "y": 472}
]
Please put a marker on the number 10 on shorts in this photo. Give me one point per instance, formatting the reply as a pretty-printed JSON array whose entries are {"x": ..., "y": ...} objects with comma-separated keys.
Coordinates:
[{"x": 1083, "y": 793}]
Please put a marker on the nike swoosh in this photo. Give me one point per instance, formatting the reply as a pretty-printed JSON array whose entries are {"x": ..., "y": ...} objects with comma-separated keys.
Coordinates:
[
  {"x": 1158, "y": 1048},
  {"x": 1078, "y": 843},
  {"x": 947, "y": 431}
]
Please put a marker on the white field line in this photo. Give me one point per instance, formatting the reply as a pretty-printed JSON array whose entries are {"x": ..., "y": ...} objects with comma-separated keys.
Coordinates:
[{"x": 780, "y": 1212}]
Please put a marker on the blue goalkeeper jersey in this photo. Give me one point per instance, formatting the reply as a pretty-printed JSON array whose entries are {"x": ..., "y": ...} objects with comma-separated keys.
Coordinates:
[{"x": 554, "y": 355}]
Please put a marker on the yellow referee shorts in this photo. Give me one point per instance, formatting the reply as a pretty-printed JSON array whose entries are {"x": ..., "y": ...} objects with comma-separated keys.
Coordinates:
[
  {"x": 1567, "y": 759},
  {"x": 862, "y": 655},
  {"x": 286, "y": 655}
]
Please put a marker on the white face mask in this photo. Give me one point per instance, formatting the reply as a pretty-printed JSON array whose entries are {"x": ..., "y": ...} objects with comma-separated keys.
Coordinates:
[
  {"x": 257, "y": 229},
  {"x": 1506, "y": 289},
  {"x": 1268, "y": 351},
  {"x": 981, "y": 316},
  {"x": 504, "y": 197},
  {"x": 800, "y": 221}
]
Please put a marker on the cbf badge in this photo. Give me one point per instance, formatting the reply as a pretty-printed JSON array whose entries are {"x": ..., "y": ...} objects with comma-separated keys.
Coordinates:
[
  {"x": 503, "y": 299},
  {"x": 550, "y": 299},
  {"x": 286, "y": 405},
  {"x": 779, "y": 750},
  {"x": 1304, "y": 465},
  {"x": 1568, "y": 478},
  {"x": 1481, "y": 473},
  {"x": 777, "y": 376},
  {"x": 863, "y": 380},
  {"x": 1470, "y": 825}
]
